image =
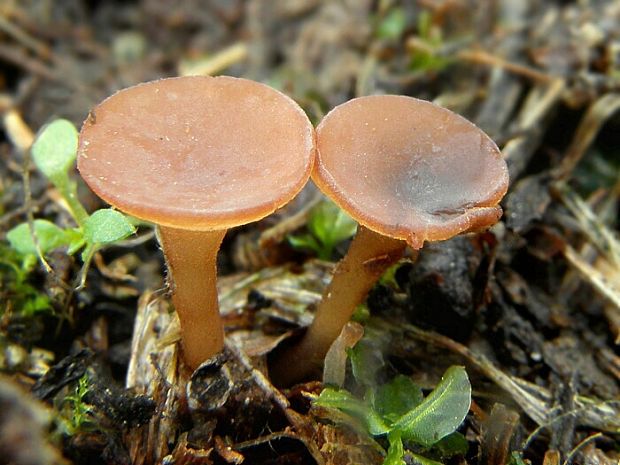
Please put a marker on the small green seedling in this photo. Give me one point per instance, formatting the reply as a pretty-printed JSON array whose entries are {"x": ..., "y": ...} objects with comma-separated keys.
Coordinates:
[
  {"x": 76, "y": 413},
  {"x": 54, "y": 153},
  {"x": 328, "y": 226},
  {"x": 15, "y": 291},
  {"x": 426, "y": 57},
  {"x": 398, "y": 411},
  {"x": 48, "y": 235},
  {"x": 391, "y": 24},
  {"x": 516, "y": 458}
]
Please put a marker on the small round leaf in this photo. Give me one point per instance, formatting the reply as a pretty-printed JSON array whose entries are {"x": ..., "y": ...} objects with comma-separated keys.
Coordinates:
[
  {"x": 107, "y": 225},
  {"x": 55, "y": 149},
  {"x": 49, "y": 237}
]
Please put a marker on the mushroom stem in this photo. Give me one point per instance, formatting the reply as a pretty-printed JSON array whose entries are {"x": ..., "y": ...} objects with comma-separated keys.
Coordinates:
[
  {"x": 369, "y": 255},
  {"x": 191, "y": 258}
]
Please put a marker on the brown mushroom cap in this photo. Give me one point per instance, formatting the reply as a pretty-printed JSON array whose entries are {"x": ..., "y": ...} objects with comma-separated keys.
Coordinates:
[
  {"x": 409, "y": 169},
  {"x": 197, "y": 152}
]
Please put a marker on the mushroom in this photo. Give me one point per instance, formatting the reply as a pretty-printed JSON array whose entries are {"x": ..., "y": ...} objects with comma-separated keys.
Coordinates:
[
  {"x": 407, "y": 171},
  {"x": 196, "y": 156}
]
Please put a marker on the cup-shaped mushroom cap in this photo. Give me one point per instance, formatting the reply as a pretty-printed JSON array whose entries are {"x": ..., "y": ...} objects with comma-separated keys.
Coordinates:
[
  {"x": 409, "y": 169},
  {"x": 199, "y": 153}
]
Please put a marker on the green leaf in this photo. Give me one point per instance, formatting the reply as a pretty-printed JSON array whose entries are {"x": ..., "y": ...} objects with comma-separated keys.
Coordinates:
[
  {"x": 28, "y": 263},
  {"x": 361, "y": 314},
  {"x": 102, "y": 227},
  {"x": 441, "y": 412},
  {"x": 330, "y": 224},
  {"x": 15, "y": 292},
  {"x": 425, "y": 24},
  {"x": 36, "y": 303},
  {"x": 305, "y": 241},
  {"x": 55, "y": 149},
  {"x": 392, "y": 25},
  {"x": 429, "y": 58},
  {"x": 49, "y": 237},
  {"x": 107, "y": 225},
  {"x": 366, "y": 361},
  {"x": 516, "y": 458},
  {"x": 389, "y": 277},
  {"x": 396, "y": 451},
  {"x": 76, "y": 240},
  {"x": 343, "y": 400},
  {"x": 394, "y": 399}
]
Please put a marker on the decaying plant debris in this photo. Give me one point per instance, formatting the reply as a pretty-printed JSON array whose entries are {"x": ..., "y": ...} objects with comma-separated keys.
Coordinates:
[{"x": 531, "y": 308}]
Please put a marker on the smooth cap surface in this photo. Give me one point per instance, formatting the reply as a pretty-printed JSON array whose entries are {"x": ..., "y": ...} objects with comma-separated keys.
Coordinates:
[
  {"x": 409, "y": 169},
  {"x": 199, "y": 153}
]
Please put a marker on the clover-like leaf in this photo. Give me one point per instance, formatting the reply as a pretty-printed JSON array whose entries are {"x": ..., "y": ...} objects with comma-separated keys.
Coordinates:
[
  {"x": 55, "y": 149},
  {"x": 106, "y": 226},
  {"x": 49, "y": 237}
]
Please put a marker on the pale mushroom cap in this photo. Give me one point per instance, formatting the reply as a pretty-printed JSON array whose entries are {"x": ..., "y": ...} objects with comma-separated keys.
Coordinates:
[
  {"x": 409, "y": 169},
  {"x": 198, "y": 153}
]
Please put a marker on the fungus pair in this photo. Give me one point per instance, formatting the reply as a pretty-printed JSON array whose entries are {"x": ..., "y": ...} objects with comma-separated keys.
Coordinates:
[{"x": 197, "y": 155}]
